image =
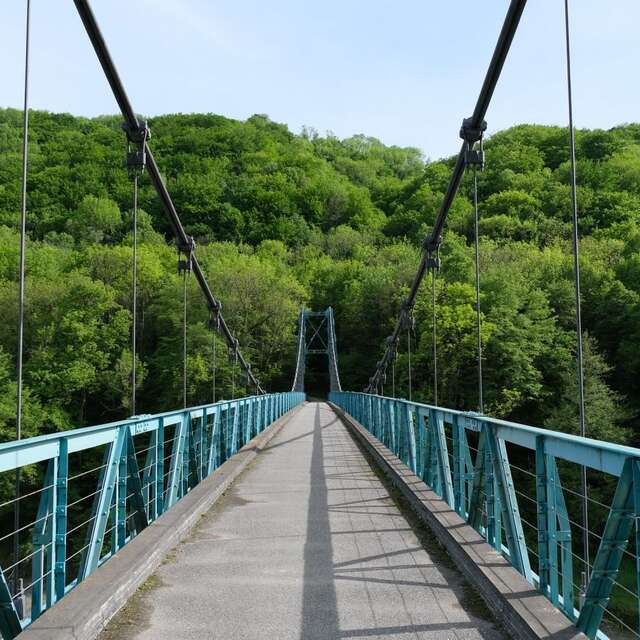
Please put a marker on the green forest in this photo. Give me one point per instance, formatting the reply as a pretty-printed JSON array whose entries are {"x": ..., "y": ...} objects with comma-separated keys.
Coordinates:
[{"x": 284, "y": 220}]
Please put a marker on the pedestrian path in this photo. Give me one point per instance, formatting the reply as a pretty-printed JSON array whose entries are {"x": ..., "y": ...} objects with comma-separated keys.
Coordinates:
[{"x": 309, "y": 545}]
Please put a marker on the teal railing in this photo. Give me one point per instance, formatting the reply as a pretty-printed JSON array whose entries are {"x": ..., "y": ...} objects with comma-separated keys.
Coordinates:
[
  {"x": 513, "y": 484},
  {"x": 85, "y": 493}
]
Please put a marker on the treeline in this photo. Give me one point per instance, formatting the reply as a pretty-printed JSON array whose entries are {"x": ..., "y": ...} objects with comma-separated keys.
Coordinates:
[{"x": 283, "y": 220}]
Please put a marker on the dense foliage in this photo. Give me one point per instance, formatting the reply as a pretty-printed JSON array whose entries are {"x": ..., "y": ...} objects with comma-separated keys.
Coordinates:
[{"x": 283, "y": 220}]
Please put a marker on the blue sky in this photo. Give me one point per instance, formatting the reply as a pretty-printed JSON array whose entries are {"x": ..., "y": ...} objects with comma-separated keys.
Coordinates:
[{"x": 406, "y": 72}]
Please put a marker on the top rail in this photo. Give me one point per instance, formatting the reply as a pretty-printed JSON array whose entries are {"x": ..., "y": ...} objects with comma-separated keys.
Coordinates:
[
  {"x": 80, "y": 510},
  {"x": 464, "y": 458},
  {"x": 600, "y": 455}
]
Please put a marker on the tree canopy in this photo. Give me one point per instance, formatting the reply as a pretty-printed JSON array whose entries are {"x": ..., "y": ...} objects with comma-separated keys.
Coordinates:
[{"x": 284, "y": 220}]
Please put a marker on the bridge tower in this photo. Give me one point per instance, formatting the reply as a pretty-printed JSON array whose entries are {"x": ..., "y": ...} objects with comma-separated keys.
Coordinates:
[{"x": 317, "y": 335}]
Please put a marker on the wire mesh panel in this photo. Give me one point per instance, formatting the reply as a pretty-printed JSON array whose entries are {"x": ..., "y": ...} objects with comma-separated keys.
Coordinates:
[
  {"x": 520, "y": 488},
  {"x": 85, "y": 493}
]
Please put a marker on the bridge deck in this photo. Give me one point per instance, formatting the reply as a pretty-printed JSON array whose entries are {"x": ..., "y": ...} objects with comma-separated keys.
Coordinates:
[{"x": 308, "y": 544}]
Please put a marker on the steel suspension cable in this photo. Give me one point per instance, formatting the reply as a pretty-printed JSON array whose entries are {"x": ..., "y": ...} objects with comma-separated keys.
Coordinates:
[
  {"x": 184, "y": 338},
  {"x": 470, "y": 126},
  {"x": 434, "y": 346},
  {"x": 21, "y": 284},
  {"x": 133, "y": 127},
  {"x": 476, "y": 242},
  {"x": 233, "y": 374},
  {"x": 213, "y": 367},
  {"x": 134, "y": 294},
  {"x": 409, "y": 356},
  {"x": 576, "y": 272},
  {"x": 393, "y": 375}
]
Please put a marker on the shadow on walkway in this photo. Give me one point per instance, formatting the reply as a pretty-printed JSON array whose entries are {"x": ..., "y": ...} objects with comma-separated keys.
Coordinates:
[{"x": 319, "y": 602}]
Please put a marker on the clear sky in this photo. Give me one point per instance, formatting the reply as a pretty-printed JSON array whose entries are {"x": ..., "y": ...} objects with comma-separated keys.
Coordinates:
[{"x": 406, "y": 72}]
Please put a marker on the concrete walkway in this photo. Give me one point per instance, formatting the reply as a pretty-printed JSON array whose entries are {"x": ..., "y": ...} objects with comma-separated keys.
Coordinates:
[{"x": 309, "y": 545}]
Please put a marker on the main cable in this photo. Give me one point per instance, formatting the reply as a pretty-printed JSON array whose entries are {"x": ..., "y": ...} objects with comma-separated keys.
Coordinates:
[
  {"x": 473, "y": 125},
  {"x": 576, "y": 271}
]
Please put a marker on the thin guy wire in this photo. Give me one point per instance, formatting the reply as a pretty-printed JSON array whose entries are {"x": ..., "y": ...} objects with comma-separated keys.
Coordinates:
[
  {"x": 23, "y": 233},
  {"x": 233, "y": 374},
  {"x": 134, "y": 293},
  {"x": 393, "y": 374},
  {"x": 476, "y": 242},
  {"x": 184, "y": 339},
  {"x": 434, "y": 327},
  {"x": 409, "y": 354},
  {"x": 213, "y": 368},
  {"x": 576, "y": 269}
]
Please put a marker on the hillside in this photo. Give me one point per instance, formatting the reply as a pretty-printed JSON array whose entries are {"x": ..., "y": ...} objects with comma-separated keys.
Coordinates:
[{"x": 283, "y": 220}]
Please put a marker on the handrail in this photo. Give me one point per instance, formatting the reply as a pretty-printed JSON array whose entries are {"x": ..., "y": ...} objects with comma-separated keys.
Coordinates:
[
  {"x": 130, "y": 473},
  {"x": 479, "y": 486}
]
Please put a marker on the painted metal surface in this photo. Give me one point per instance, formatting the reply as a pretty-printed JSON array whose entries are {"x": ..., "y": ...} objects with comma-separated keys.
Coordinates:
[
  {"x": 478, "y": 484},
  {"x": 179, "y": 449},
  {"x": 317, "y": 335}
]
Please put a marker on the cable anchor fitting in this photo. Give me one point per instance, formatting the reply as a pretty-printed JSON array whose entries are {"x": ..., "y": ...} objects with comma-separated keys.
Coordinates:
[
  {"x": 431, "y": 246},
  {"x": 433, "y": 261},
  {"x": 214, "y": 316},
  {"x": 233, "y": 351},
  {"x": 137, "y": 137},
  {"x": 471, "y": 135},
  {"x": 188, "y": 249}
]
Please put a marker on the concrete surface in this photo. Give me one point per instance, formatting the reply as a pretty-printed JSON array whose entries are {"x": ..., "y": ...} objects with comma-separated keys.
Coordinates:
[{"x": 306, "y": 544}]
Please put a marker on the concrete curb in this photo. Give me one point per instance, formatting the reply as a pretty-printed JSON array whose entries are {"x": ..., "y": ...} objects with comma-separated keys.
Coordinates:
[
  {"x": 523, "y": 611},
  {"x": 87, "y": 609}
]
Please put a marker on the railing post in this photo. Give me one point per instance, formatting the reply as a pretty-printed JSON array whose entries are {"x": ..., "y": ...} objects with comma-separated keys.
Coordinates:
[
  {"x": 612, "y": 547},
  {"x": 509, "y": 504},
  {"x": 177, "y": 455},
  {"x": 109, "y": 476},
  {"x": 442, "y": 455},
  {"x": 188, "y": 456},
  {"x": 159, "y": 484},
  {"x": 493, "y": 504},
  {"x": 547, "y": 552},
  {"x": 214, "y": 444},
  {"x": 121, "y": 499},
  {"x": 43, "y": 538},
  {"x": 460, "y": 450},
  {"x": 411, "y": 433},
  {"x": 149, "y": 475},
  {"x": 421, "y": 442}
]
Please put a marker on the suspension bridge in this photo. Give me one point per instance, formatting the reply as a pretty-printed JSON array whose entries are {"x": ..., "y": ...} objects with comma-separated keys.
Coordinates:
[{"x": 278, "y": 516}]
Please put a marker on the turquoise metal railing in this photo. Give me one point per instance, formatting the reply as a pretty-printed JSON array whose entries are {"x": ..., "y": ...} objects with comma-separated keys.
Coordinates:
[
  {"x": 100, "y": 486},
  {"x": 464, "y": 457}
]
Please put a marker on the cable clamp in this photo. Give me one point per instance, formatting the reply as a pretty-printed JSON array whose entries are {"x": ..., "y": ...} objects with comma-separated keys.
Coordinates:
[
  {"x": 214, "y": 316},
  {"x": 431, "y": 245},
  {"x": 407, "y": 315},
  {"x": 137, "y": 134},
  {"x": 471, "y": 135},
  {"x": 136, "y": 147},
  {"x": 433, "y": 261},
  {"x": 188, "y": 249}
]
